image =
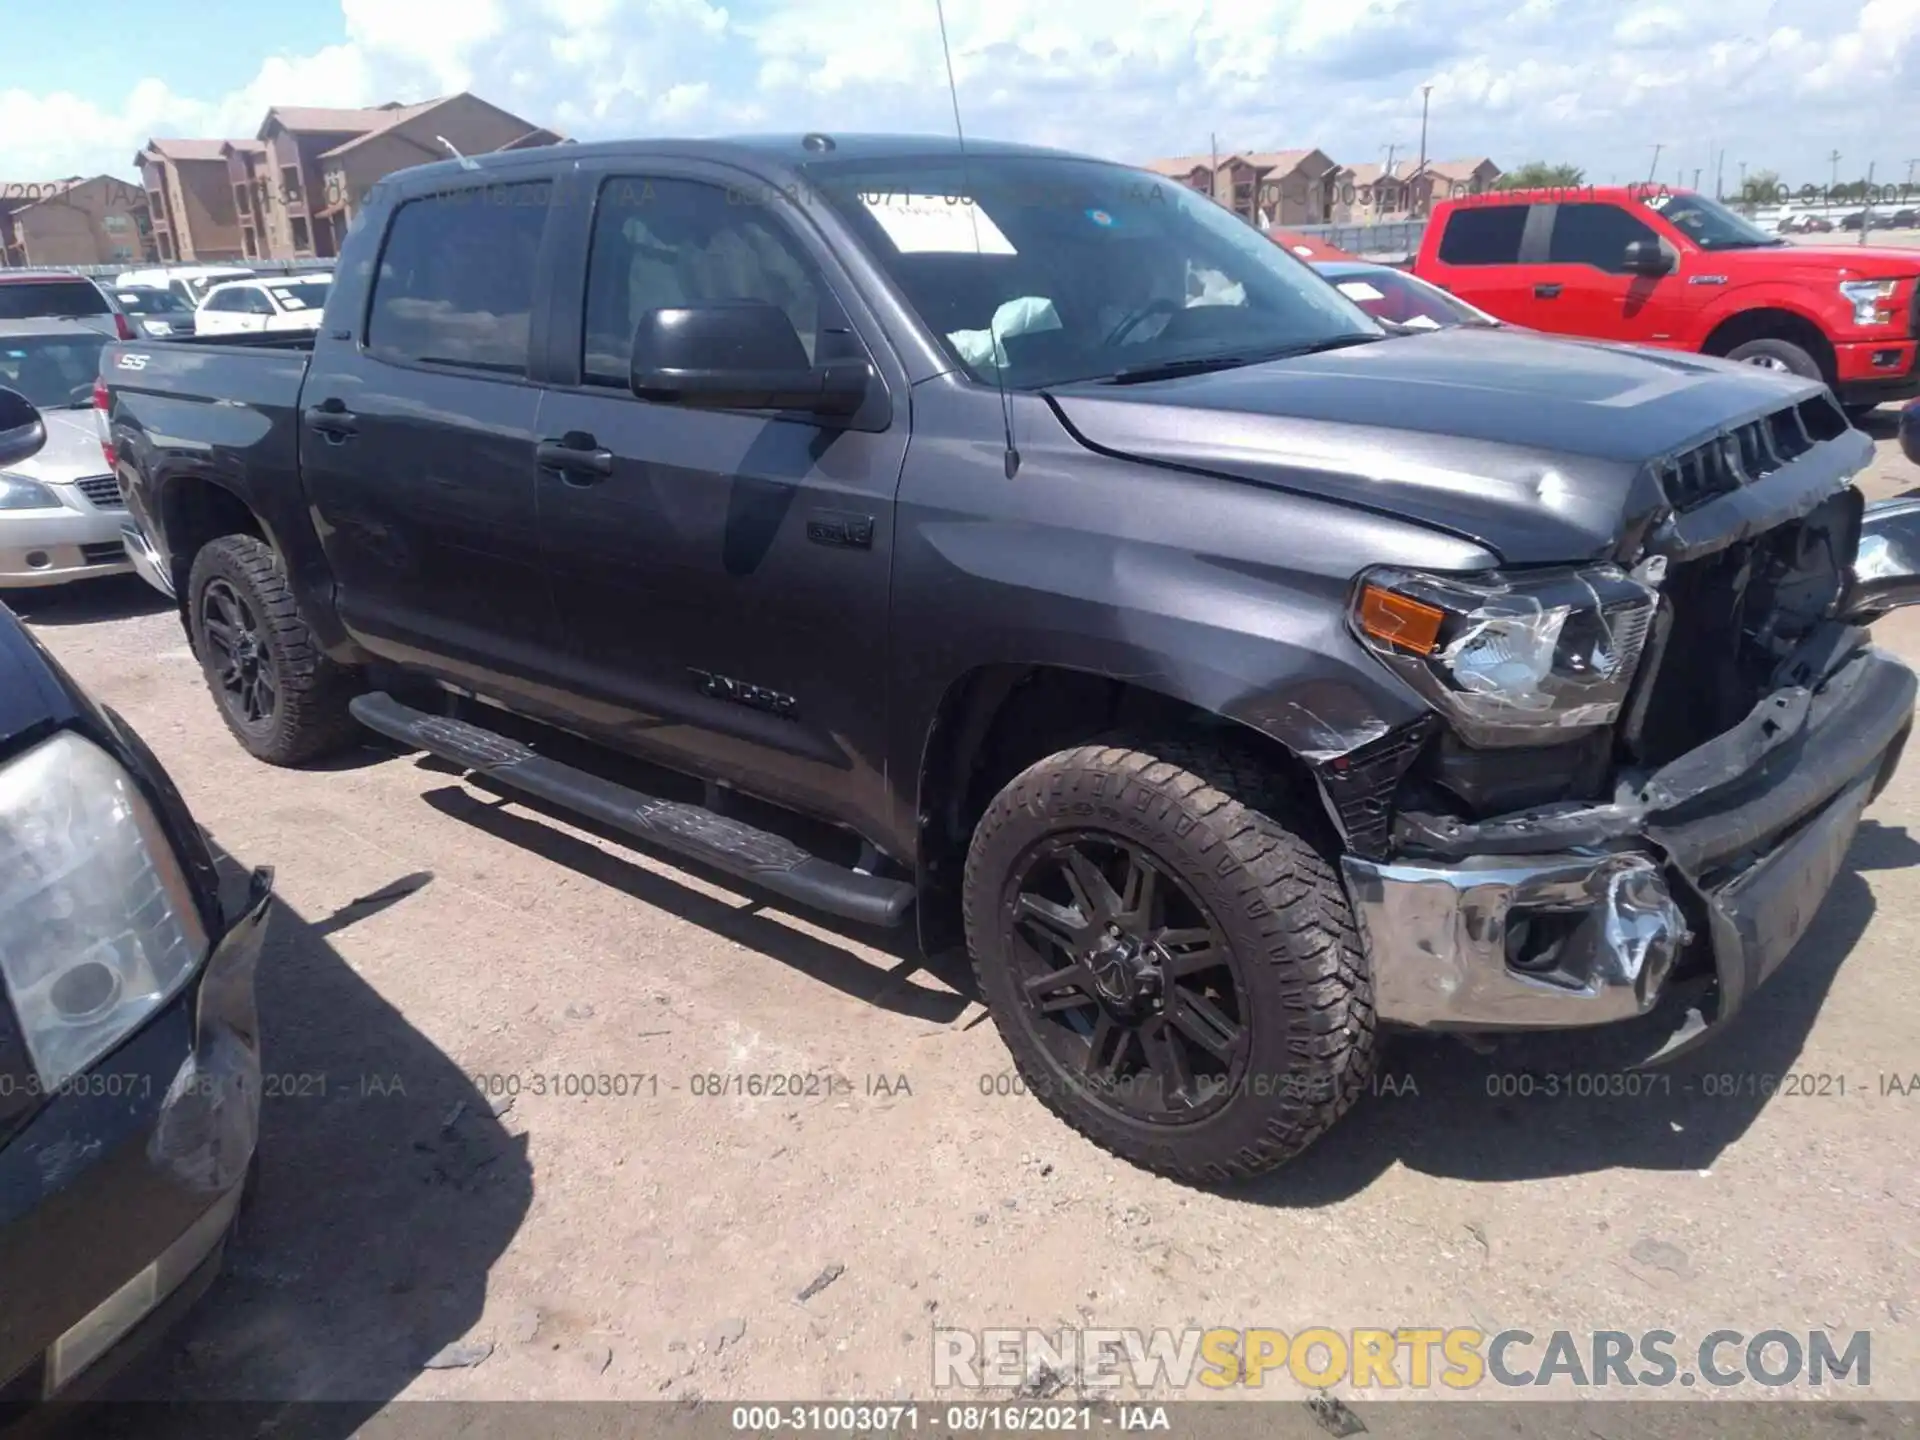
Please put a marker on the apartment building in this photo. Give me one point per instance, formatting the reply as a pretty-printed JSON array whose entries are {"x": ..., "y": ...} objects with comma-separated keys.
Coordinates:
[
  {"x": 298, "y": 184},
  {"x": 1285, "y": 188},
  {"x": 1265, "y": 188},
  {"x": 72, "y": 221},
  {"x": 1370, "y": 193},
  {"x": 189, "y": 203}
]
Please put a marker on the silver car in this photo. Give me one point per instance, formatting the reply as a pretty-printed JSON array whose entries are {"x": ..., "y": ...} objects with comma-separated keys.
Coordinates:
[{"x": 61, "y": 511}]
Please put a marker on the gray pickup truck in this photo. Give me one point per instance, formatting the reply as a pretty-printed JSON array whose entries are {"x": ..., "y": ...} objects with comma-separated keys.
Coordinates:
[{"x": 1019, "y": 546}]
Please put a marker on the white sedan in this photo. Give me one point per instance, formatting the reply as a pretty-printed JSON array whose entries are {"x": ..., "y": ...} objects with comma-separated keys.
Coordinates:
[{"x": 273, "y": 304}]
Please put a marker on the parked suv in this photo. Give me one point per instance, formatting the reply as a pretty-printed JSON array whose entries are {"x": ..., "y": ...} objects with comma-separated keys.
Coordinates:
[
  {"x": 1678, "y": 270},
  {"x": 1020, "y": 546}
]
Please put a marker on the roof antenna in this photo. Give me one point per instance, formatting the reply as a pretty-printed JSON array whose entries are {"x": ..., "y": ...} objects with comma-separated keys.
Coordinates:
[
  {"x": 973, "y": 200},
  {"x": 465, "y": 163}
]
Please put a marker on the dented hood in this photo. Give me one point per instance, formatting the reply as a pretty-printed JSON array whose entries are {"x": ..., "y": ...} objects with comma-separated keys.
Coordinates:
[{"x": 1539, "y": 449}]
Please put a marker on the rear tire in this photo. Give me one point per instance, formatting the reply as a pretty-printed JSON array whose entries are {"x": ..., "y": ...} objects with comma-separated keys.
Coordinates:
[
  {"x": 282, "y": 698},
  {"x": 1205, "y": 1070},
  {"x": 1780, "y": 355}
]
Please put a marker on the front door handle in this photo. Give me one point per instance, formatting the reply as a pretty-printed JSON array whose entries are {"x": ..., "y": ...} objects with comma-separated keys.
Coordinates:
[
  {"x": 1546, "y": 292},
  {"x": 575, "y": 454}
]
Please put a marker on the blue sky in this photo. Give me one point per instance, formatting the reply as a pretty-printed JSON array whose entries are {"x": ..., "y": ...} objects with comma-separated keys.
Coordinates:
[
  {"x": 1775, "y": 83},
  {"x": 210, "y": 46}
]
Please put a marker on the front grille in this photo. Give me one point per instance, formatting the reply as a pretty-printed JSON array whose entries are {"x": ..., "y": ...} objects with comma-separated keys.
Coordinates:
[
  {"x": 103, "y": 491},
  {"x": 1361, "y": 785},
  {"x": 106, "y": 552},
  {"x": 1748, "y": 452}
]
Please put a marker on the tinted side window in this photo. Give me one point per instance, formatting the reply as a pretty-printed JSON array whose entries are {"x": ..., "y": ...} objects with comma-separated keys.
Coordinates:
[
  {"x": 32, "y": 299},
  {"x": 1596, "y": 235},
  {"x": 663, "y": 243},
  {"x": 456, "y": 278},
  {"x": 1483, "y": 235}
]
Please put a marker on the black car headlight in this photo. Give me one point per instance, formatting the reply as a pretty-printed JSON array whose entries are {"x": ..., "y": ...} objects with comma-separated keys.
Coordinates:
[
  {"x": 98, "y": 927},
  {"x": 1513, "y": 657}
]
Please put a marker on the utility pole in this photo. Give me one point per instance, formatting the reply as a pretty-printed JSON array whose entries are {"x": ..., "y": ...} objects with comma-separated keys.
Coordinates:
[
  {"x": 1720, "y": 175},
  {"x": 1655, "y": 166},
  {"x": 1426, "y": 92},
  {"x": 1696, "y": 177},
  {"x": 1907, "y": 192},
  {"x": 1866, "y": 211},
  {"x": 1835, "y": 159}
]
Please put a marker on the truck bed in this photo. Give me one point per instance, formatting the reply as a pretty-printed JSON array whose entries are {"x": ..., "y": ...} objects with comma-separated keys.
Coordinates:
[{"x": 237, "y": 397}]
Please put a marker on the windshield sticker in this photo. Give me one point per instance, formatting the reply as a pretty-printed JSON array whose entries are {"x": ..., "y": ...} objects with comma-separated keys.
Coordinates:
[
  {"x": 937, "y": 225},
  {"x": 1359, "y": 290},
  {"x": 1100, "y": 217},
  {"x": 1421, "y": 322}
]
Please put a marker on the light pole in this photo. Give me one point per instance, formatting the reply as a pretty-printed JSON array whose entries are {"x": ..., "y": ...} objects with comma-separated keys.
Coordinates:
[{"x": 1655, "y": 166}]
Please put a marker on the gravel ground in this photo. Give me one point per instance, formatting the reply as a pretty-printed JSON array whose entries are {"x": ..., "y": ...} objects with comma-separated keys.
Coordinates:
[{"x": 429, "y": 1225}]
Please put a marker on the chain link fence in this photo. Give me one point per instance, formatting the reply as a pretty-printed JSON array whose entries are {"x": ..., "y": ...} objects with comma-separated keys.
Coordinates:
[{"x": 108, "y": 273}]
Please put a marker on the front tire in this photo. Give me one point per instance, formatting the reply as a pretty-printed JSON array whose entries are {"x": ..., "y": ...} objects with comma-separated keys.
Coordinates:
[
  {"x": 282, "y": 698},
  {"x": 1779, "y": 355},
  {"x": 1170, "y": 959}
]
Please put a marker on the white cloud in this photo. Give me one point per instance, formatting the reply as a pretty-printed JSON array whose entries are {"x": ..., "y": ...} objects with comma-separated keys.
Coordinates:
[{"x": 1777, "y": 83}]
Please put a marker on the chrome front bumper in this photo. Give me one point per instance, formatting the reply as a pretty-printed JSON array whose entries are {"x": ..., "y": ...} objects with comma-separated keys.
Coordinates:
[
  {"x": 1733, "y": 848},
  {"x": 1439, "y": 936}
]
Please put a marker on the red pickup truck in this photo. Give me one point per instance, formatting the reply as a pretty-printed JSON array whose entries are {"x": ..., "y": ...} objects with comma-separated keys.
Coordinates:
[{"x": 1646, "y": 265}]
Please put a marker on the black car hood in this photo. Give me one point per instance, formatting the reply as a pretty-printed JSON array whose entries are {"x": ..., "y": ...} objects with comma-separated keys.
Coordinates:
[
  {"x": 1538, "y": 448},
  {"x": 35, "y": 694}
]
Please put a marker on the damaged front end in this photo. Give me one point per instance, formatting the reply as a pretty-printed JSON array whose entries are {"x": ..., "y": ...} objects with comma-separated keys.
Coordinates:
[{"x": 1641, "y": 774}]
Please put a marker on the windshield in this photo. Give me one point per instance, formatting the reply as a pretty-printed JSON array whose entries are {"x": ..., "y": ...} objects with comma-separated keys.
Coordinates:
[
  {"x": 53, "y": 371},
  {"x": 1707, "y": 223},
  {"x": 1393, "y": 295},
  {"x": 198, "y": 285},
  {"x": 1041, "y": 270},
  {"x": 37, "y": 299},
  {"x": 152, "y": 302}
]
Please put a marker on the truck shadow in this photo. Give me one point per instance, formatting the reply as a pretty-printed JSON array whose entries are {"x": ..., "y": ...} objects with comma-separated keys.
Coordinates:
[
  {"x": 82, "y": 602},
  {"x": 386, "y": 1190},
  {"x": 820, "y": 959},
  {"x": 1445, "y": 1110}
]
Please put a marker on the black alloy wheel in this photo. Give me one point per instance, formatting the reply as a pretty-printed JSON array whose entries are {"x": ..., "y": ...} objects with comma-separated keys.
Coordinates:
[
  {"x": 1129, "y": 984},
  {"x": 239, "y": 661}
]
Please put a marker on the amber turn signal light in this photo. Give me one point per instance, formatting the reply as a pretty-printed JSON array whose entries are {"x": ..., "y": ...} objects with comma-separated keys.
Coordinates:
[{"x": 1400, "y": 621}]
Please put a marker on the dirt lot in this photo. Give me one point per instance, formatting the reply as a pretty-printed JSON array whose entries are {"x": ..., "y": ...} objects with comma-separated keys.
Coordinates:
[{"x": 438, "y": 949}]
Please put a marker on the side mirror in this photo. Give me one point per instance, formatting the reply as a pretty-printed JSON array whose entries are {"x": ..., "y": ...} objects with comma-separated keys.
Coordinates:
[
  {"x": 1886, "y": 564},
  {"x": 738, "y": 355},
  {"x": 22, "y": 432},
  {"x": 1647, "y": 257}
]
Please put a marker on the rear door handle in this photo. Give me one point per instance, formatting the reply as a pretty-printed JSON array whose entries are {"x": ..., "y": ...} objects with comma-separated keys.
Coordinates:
[
  {"x": 574, "y": 454},
  {"x": 1546, "y": 292},
  {"x": 332, "y": 419}
]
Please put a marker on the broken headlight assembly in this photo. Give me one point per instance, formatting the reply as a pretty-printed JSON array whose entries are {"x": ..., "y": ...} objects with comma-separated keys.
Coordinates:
[
  {"x": 1513, "y": 657},
  {"x": 98, "y": 927}
]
